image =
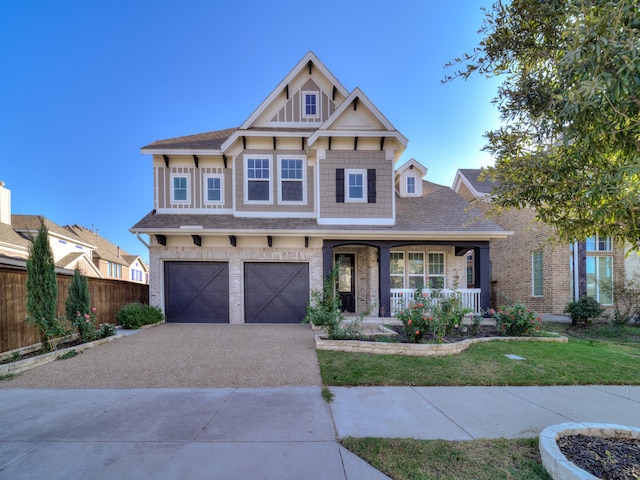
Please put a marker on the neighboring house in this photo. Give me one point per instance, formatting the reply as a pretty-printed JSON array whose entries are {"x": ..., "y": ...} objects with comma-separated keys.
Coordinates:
[
  {"x": 111, "y": 260},
  {"x": 246, "y": 221},
  {"x": 72, "y": 246},
  {"x": 532, "y": 267}
]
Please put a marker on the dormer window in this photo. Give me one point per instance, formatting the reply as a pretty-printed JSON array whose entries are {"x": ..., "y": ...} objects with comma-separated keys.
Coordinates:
[
  {"x": 411, "y": 185},
  {"x": 310, "y": 108}
]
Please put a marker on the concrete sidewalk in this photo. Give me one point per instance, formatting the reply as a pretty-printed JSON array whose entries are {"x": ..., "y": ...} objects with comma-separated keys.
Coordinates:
[
  {"x": 222, "y": 433},
  {"x": 468, "y": 413},
  {"x": 269, "y": 433}
]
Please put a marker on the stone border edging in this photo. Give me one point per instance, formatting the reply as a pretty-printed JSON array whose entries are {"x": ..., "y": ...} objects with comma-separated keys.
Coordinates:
[
  {"x": 554, "y": 461},
  {"x": 28, "y": 363},
  {"x": 418, "y": 349}
]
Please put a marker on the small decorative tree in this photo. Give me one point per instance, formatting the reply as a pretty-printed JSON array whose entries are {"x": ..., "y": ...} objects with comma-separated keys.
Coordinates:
[
  {"x": 584, "y": 310},
  {"x": 77, "y": 307},
  {"x": 42, "y": 289}
]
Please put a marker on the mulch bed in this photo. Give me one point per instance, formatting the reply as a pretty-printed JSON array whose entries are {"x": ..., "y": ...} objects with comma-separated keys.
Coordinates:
[
  {"x": 604, "y": 457},
  {"x": 35, "y": 353},
  {"x": 463, "y": 332}
]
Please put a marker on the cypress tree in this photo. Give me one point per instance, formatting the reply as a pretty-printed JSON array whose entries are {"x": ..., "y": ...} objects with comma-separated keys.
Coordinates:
[
  {"x": 78, "y": 303},
  {"x": 42, "y": 288}
]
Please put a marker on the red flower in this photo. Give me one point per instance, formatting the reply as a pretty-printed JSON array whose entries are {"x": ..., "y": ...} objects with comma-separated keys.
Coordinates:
[
  {"x": 417, "y": 332},
  {"x": 409, "y": 322}
]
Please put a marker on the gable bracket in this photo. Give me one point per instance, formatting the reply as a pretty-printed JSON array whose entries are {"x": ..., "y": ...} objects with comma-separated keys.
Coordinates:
[
  {"x": 355, "y": 143},
  {"x": 382, "y": 143},
  {"x": 333, "y": 93},
  {"x": 329, "y": 143},
  {"x": 166, "y": 160},
  {"x": 162, "y": 240},
  {"x": 244, "y": 142},
  {"x": 310, "y": 65},
  {"x": 355, "y": 103},
  {"x": 306, "y": 242},
  {"x": 286, "y": 90},
  {"x": 224, "y": 159},
  {"x": 232, "y": 240},
  {"x": 274, "y": 143},
  {"x": 195, "y": 160},
  {"x": 197, "y": 240},
  {"x": 270, "y": 240}
]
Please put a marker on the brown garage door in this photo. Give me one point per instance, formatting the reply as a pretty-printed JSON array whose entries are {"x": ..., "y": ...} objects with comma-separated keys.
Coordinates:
[
  {"x": 276, "y": 292},
  {"x": 197, "y": 292}
]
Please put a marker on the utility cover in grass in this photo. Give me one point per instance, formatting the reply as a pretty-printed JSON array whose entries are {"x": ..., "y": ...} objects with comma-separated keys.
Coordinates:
[{"x": 514, "y": 357}]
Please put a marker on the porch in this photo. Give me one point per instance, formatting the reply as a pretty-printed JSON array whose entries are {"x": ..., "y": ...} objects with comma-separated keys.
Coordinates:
[
  {"x": 470, "y": 297},
  {"x": 366, "y": 277}
]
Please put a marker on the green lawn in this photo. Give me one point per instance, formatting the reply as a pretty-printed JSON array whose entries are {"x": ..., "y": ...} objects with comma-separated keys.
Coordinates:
[
  {"x": 581, "y": 361},
  {"x": 598, "y": 355}
]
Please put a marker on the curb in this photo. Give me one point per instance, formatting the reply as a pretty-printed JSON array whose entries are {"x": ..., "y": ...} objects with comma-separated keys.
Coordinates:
[{"x": 29, "y": 363}]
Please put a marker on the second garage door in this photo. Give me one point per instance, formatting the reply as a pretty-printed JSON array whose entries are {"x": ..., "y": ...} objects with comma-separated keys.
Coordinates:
[
  {"x": 276, "y": 292},
  {"x": 197, "y": 292}
]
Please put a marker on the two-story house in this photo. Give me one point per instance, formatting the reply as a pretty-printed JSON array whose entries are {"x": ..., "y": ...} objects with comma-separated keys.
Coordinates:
[{"x": 247, "y": 221}]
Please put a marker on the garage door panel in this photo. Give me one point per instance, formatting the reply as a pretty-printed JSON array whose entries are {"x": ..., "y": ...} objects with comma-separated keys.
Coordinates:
[
  {"x": 276, "y": 292},
  {"x": 197, "y": 292}
]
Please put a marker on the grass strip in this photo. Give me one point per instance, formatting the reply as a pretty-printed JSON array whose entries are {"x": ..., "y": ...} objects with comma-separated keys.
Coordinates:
[{"x": 408, "y": 459}]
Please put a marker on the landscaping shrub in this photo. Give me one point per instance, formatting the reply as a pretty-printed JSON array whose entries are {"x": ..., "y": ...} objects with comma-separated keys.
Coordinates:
[
  {"x": 77, "y": 307},
  {"x": 106, "y": 330},
  {"x": 432, "y": 314},
  {"x": 135, "y": 315},
  {"x": 516, "y": 321},
  {"x": 584, "y": 310},
  {"x": 626, "y": 300},
  {"x": 42, "y": 290}
]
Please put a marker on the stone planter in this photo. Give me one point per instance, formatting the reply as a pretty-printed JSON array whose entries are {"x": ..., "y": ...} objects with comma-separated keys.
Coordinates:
[
  {"x": 558, "y": 466},
  {"x": 414, "y": 349}
]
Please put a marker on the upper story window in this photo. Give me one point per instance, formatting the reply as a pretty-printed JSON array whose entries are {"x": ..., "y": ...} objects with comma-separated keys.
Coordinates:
[
  {"x": 180, "y": 189},
  {"x": 356, "y": 185},
  {"x": 213, "y": 189},
  {"x": 292, "y": 178},
  {"x": 597, "y": 244},
  {"x": 411, "y": 185},
  {"x": 114, "y": 270},
  {"x": 310, "y": 107},
  {"x": 258, "y": 179}
]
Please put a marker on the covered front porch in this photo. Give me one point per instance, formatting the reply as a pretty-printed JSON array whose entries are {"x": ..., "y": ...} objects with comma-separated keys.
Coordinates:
[{"x": 377, "y": 276}]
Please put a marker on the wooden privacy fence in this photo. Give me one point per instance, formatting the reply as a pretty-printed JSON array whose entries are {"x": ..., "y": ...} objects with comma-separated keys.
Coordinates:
[{"x": 107, "y": 296}]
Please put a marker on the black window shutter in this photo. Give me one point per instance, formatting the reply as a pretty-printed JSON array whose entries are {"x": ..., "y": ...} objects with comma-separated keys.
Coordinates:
[
  {"x": 339, "y": 185},
  {"x": 371, "y": 185}
]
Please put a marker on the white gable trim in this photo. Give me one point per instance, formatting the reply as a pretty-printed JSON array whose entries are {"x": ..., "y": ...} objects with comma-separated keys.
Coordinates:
[
  {"x": 309, "y": 57},
  {"x": 462, "y": 179},
  {"x": 391, "y": 131}
]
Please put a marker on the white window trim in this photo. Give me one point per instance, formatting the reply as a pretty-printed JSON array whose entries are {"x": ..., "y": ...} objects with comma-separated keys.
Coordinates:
[
  {"x": 444, "y": 269},
  {"x": 425, "y": 267},
  {"x": 411, "y": 177},
  {"x": 533, "y": 274},
  {"x": 246, "y": 180},
  {"x": 303, "y": 180},
  {"x": 205, "y": 189},
  {"x": 173, "y": 200},
  {"x": 347, "y": 197},
  {"x": 404, "y": 269},
  {"x": 303, "y": 103}
]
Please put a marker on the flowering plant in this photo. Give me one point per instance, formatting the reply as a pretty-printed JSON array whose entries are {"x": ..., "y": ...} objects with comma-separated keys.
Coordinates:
[
  {"x": 433, "y": 314},
  {"x": 85, "y": 324},
  {"x": 516, "y": 321}
]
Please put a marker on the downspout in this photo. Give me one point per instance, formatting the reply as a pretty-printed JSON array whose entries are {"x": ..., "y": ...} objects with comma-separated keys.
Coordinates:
[{"x": 142, "y": 240}]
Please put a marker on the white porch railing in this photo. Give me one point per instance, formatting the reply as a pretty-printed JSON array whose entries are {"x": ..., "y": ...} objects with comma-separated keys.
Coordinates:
[{"x": 470, "y": 297}]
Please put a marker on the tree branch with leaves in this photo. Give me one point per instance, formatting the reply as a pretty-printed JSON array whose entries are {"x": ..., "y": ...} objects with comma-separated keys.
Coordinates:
[{"x": 569, "y": 144}]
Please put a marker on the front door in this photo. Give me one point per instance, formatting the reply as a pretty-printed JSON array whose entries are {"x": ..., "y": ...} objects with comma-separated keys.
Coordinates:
[{"x": 346, "y": 287}]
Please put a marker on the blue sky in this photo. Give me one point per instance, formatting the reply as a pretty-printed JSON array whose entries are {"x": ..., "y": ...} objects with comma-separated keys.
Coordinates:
[{"x": 85, "y": 85}]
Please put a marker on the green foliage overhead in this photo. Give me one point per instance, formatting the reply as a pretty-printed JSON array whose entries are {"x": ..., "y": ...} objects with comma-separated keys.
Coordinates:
[{"x": 569, "y": 145}]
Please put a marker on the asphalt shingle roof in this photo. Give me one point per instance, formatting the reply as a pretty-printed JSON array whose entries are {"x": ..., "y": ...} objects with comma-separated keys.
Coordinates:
[
  {"x": 440, "y": 209},
  {"x": 472, "y": 174},
  {"x": 200, "y": 141}
]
